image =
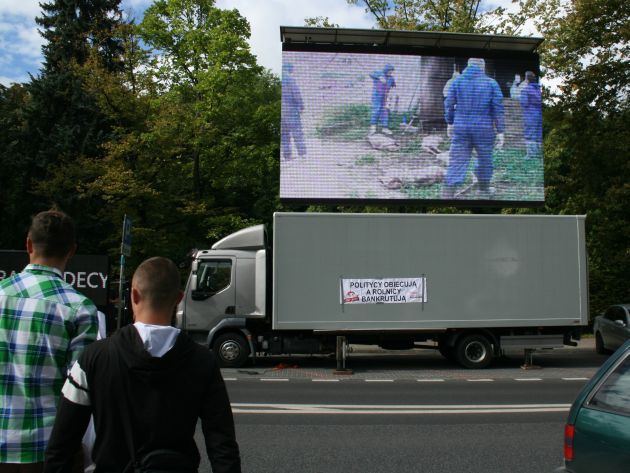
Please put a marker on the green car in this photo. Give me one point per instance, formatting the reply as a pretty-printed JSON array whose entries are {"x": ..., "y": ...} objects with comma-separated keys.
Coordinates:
[{"x": 597, "y": 434}]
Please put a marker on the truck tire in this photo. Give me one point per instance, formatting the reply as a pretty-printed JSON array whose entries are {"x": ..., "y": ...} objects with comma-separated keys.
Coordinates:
[
  {"x": 599, "y": 345},
  {"x": 231, "y": 350},
  {"x": 473, "y": 351}
]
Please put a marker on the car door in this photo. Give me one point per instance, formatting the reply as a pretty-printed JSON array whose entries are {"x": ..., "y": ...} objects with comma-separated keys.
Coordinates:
[
  {"x": 607, "y": 328},
  {"x": 619, "y": 327},
  {"x": 214, "y": 295},
  {"x": 625, "y": 331},
  {"x": 602, "y": 427}
]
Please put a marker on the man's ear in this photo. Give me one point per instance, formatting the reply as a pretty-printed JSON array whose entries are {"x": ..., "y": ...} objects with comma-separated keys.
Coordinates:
[
  {"x": 180, "y": 296},
  {"x": 29, "y": 245},
  {"x": 72, "y": 251},
  {"x": 135, "y": 295}
]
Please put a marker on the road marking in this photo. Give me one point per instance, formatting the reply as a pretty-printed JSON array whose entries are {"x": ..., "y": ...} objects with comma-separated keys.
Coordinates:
[
  {"x": 428, "y": 380},
  {"x": 254, "y": 408}
]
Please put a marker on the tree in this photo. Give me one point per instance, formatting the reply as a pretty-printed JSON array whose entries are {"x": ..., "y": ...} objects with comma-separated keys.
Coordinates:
[
  {"x": 52, "y": 120},
  {"x": 463, "y": 16},
  {"x": 72, "y": 28},
  {"x": 195, "y": 132},
  {"x": 15, "y": 179},
  {"x": 588, "y": 163},
  {"x": 64, "y": 120}
]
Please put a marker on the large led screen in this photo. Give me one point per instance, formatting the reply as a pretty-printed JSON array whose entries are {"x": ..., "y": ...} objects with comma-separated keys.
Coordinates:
[{"x": 392, "y": 127}]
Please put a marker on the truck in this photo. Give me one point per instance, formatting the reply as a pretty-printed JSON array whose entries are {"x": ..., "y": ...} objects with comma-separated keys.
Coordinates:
[{"x": 471, "y": 286}]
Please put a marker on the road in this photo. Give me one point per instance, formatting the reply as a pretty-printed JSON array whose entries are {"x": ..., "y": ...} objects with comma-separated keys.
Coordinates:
[{"x": 405, "y": 414}]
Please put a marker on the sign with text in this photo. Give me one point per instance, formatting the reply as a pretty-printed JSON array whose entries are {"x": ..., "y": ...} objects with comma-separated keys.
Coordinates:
[
  {"x": 86, "y": 273},
  {"x": 384, "y": 291}
]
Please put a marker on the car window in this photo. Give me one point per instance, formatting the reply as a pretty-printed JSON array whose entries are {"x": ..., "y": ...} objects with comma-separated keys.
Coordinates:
[
  {"x": 615, "y": 313},
  {"x": 610, "y": 313},
  {"x": 614, "y": 393},
  {"x": 214, "y": 275},
  {"x": 620, "y": 314}
]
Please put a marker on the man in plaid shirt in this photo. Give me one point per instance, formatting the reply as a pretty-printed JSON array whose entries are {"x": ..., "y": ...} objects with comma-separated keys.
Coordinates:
[{"x": 44, "y": 325}]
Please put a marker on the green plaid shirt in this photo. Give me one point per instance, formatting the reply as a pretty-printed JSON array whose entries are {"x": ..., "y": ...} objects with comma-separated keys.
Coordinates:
[{"x": 44, "y": 325}]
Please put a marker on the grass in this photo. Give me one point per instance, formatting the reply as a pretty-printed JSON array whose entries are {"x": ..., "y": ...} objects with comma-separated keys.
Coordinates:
[
  {"x": 365, "y": 160},
  {"x": 514, "y": 178}
]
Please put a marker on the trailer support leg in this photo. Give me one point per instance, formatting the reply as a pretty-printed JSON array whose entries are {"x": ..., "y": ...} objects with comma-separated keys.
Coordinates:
[
  {"x": 529, "y": 360},
  {"x": 342, "y": 354}
]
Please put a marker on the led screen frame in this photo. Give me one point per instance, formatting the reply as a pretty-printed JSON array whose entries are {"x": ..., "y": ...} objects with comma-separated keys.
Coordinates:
[{"x": 340, "y": 163}]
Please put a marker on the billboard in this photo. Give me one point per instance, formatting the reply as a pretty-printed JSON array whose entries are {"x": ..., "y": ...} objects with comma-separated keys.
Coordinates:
[
  {"x": 88, "y": 274},
  {"x": 440, "y": 129}
]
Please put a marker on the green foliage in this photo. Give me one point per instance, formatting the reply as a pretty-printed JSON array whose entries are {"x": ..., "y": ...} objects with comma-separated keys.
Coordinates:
[
  {"x": 588, "y": 142},
  {"x": 320, "y": 22},
  {"x": 464, "y": 16}
]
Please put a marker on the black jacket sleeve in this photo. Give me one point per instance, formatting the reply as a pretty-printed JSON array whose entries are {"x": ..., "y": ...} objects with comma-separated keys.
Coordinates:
[
  {"x": 218, "y": 426},
  {"x": 65, "y": 440}
]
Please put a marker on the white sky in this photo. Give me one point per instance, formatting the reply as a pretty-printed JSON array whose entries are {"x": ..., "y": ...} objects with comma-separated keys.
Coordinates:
[{"x": 20, "y": 42}]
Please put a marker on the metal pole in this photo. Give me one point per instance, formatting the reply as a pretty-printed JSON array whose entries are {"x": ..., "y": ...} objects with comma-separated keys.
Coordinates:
[{"x": 121, "y": 281}]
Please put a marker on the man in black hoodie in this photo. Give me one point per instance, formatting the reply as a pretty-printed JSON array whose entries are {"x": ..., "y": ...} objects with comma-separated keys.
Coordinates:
[{"x": 147, "y": 386}]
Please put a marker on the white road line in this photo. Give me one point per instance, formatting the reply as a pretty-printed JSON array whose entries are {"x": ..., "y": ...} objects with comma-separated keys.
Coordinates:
[
  {"x": 430, "y": 380},
  {"x": 574, "y": 379},
  {"x": 229, "y": 379},
  {"x": 528, "y": 379},
  {"x": 274, "y": 379},
  {"x": 250, "y": 408},
  {"x": 316, "y": 380},
  {"x": 379, "y": 380},
  {"x": 480, "y": 380}
]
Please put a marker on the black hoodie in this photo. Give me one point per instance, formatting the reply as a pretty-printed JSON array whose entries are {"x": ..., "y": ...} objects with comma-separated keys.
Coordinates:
[{"x": 159, "y": 399}]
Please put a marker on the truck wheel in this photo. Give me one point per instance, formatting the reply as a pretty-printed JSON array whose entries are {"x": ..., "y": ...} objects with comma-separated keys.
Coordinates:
[
  {"x": 599, "y": 344},
  {"x": 473, "y": 351},
  {"x": 231, "y": 350}
]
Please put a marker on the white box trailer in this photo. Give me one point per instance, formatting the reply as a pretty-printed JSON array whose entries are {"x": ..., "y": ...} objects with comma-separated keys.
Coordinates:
[{"x": 475, "y": 284}]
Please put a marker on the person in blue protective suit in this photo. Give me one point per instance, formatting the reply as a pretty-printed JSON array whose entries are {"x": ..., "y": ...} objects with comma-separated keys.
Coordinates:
[
  {"x": 531, "y": 105},
  {"x": 383, "y": 82},
  {"x": 474, "y": 114},
  {"x": 292, "y": 108}
]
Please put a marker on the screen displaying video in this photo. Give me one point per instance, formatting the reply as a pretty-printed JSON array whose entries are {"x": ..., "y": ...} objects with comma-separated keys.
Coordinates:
[{"x": 393, "y": 127}]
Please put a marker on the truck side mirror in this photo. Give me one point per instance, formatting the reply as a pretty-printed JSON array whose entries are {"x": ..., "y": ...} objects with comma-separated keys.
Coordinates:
[{"x": 193, "y": 275}]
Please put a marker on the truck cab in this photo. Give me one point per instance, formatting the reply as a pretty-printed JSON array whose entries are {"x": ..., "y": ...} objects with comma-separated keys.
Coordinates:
[{"x": 226, "y": 287}]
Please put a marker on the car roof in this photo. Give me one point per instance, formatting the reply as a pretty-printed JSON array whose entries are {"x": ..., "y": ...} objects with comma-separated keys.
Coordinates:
[{"x": 625, "y": 306}]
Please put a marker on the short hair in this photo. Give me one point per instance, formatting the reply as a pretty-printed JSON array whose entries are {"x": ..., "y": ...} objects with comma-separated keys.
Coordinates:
[
  {"x": 158, "y": 281},
  {"x": 530, "y": 76},
  {"x": 52, "y": 233}
]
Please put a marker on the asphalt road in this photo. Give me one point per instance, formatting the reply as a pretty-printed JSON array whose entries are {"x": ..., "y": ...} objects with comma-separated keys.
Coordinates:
[{"x": 405, "y": 413}]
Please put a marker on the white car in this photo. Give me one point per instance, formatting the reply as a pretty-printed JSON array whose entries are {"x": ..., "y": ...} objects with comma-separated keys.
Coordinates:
[{"x": 612, "y": 328}]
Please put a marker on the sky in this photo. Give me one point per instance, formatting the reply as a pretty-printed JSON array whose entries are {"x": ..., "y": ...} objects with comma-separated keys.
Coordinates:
[{"x": 20, "y": 41}]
